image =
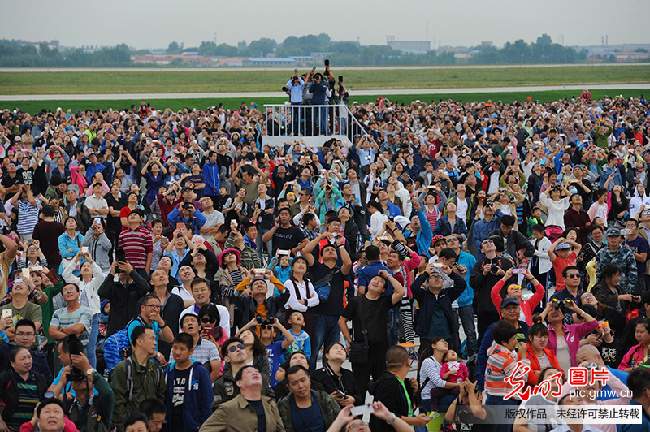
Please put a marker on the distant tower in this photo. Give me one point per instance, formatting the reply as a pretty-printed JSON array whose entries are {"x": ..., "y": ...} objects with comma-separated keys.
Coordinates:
[{"x": 215, "y": 38}]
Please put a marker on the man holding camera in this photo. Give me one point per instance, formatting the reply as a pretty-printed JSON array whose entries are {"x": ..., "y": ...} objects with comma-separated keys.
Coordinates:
[
  {"x": 320, "y": 89},
  {"x": 295, "y": 87},
  {"x": 485, "y": 275},
  {"x": 93, "y": 399},
  {"x": 188, "y": 215}
]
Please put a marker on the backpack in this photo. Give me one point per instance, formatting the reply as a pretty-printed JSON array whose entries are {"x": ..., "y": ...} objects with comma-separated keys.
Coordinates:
[
  {"x": 129, "y": 376},
  {"x": 117, "y": 347},
  {"x": 94, "y": 421}
]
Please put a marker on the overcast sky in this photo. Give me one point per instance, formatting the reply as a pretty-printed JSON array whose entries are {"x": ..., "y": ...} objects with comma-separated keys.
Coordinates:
[{"x": 154, "y": 24}]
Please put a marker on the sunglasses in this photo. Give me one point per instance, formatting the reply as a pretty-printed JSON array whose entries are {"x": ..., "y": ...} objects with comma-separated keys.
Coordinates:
[
  {"x": 486, "y": 242},
  {"x": 208, "y": 320},
  {"x": 234, "y": 348},
  {"x": 573, "y": 276},
  {"x": 436, "y": 276}
]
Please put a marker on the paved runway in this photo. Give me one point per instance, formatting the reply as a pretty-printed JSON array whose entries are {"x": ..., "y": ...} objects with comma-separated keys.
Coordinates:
[
  {"x": 349, "y": 68},
  {"x": 353, "y": 93}
]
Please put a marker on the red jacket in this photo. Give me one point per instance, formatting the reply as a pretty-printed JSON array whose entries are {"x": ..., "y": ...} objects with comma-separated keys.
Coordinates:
[
  {"x": 68, "y": 426},
  {"x": 534, "y": 363},
  {"x": 527, "y": 306}
]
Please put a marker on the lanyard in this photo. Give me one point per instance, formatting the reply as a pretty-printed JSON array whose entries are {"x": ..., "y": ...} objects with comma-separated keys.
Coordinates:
[{"x": 406, "y": 394}]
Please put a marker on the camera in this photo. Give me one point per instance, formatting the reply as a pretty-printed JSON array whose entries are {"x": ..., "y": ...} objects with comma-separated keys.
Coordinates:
[
  {"x": 187, "y": 205},
  {"x": 264, "y": 321},
  {"x": 561, "y": 305},
  {"x": 75, "y": 347},
  {"x": 327, "y": 62}
]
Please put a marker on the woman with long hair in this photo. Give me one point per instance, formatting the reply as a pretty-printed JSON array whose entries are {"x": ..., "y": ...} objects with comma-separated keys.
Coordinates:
[
  {"x": 429, "y": 367},
  {"x": 618, "y": 205},
  {"x": 255, "y": 349},
  {"x": 302, "y": 294},
  {"x": 338, "y": 381},
  {"x": 477, "y": 204}
]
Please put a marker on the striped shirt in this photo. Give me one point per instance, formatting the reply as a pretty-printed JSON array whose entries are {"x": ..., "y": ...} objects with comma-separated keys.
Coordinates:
[
  {"x": 205, "y": 351},
  {"x": 27, "y": 400},
  {"x": 64, "y": 319},
  {"x": 430, "y": 371},
  {"x": 501, "y": 363},
  {"x": 27, "y": 217},
  {"x": 137, "y": 244}
]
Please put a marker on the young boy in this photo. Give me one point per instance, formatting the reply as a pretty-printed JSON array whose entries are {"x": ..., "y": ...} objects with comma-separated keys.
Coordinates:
[
  {"x": 274, "y": 350},
  {"x": 189, "y": 388},
  {"x": 534, "y": 219},
  {"x": 301, "y": 341},
  {"x": 561, "y": 256}
]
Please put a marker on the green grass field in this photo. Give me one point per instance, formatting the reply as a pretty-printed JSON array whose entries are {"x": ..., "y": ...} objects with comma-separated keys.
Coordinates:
[
  {"x": 233, "y": 103},
  {"x": 245, "y": 81}
]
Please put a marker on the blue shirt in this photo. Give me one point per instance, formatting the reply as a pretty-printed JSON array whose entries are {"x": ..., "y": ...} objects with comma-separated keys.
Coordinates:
[
  {"x": 176, "y": 260},
  {"x": 301, "y": 343},
  {"x": 296, "y": 90},
  {"x": 275, "y": 353},
  {"x": 365, "y": 274}
]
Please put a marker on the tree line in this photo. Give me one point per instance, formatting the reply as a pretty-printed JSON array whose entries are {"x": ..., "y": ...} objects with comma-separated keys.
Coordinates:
[{"x": 543, "y": 50}]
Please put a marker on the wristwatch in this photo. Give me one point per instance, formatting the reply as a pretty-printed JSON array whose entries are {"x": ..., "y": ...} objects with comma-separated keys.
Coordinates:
[
  {"x": 392, "y": 420},
  {"x": 90, "y": 371},
  {"x": 162, "y": 326}
]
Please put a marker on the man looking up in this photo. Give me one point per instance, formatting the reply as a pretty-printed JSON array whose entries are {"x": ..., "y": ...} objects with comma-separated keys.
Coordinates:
[
  {"x": 485, "y": 275},
  {"x": 397, "y": 392},
  {"x": 321, "y": 408},
  {"x": 72, "y": 319},
  {"x": 146, "y": 380},
  {"x": 249, "y": 410},
  {"x": 137, "y": 244},
  {"x": 201, "y": 293},
  {"x": 325, "y": 327},
  {"x": 284, "y": 235}
]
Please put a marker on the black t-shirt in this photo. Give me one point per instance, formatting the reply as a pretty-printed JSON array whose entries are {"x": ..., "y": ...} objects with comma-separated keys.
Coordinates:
[
  {"x": 178, "y": 398},
  {"x": 467, "y": 421},
  {"x": 286, "y": 238},
  {"x": 8, "y": 181},
  {"x": 611, "y": 353},
  {"x": 25, "y": 176},
  {"x": 334, "y": 303},
  {"x": 117, "y": 204},
  {"x": 375, "y": 316},
  {"x": 261, "y": 415}
]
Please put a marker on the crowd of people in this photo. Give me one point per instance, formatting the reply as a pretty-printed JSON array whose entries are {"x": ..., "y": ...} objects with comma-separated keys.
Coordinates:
[{"x": 166, "y": 270}]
